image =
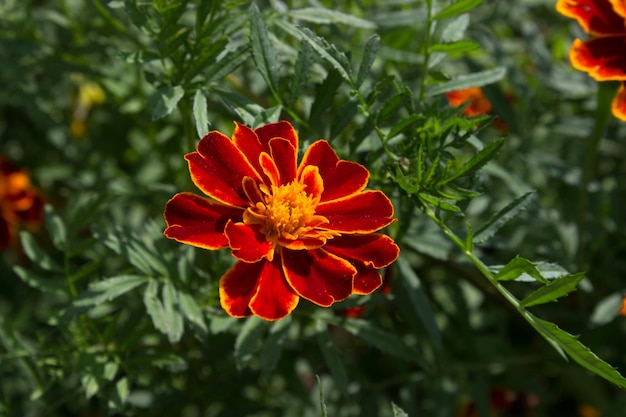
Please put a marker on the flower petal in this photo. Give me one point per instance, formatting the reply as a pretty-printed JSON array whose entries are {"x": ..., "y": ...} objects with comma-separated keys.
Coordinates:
[
  {"x": 274, "y": 298},
  {"x": 597, "y": 17},
  {"x": 376, "y": 249},
  {"x": 602, "y": 58},
  {"x": 619, "y": 103},
  {"x": 197, "y": 221},
  {"x": 619, "y": 6},
  {"x": 6, "y": 233},
  {"x": 282, "y": 129},
  {"x": 269, "y": 169},
  {"x": 285, "y": 157},
  {"x": 341, "y": 178},
  {"x": 365, "y": 212},
  {"x": 237, "y": 287},
  {"x": 366, "y": 281},
  {"x": 247, "y": 242},
  {"x": 218, "y": 168},
  {"x": 313, "y": 180},
  {"x": 249, "y": 144},
  {"x": 318, "y": 276}
]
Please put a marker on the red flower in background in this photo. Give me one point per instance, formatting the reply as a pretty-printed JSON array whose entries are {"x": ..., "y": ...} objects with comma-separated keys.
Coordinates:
[
  {"x": 622, "y": 308},
  {"x": 603, "y": 56},
  {"x": 20, "y": 203},
  {"x": 477, "y": 104},
  {"x": 304, "y": 230}
]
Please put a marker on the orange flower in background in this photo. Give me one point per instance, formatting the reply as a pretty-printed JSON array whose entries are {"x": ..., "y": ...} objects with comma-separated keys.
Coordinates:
[
  {"x": 603, "y": 56},
  {"x": 478, "y": 104},
  {"x": 622, "y": 308},
  {"x": 20, "y": 203},
  {"x": 304, "y": 230}
]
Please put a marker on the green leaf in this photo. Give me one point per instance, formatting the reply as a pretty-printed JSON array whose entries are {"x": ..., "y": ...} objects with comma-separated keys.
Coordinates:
[
  {"x": 331, "y": 355},
  {"x": 227, "y": 64},
  {"x": 405, "y": 124},
  {"x": 607, "y": 309},
  {"x": 455, "y": 9},
  {"x": 301, "y": 71},
  {"x": 328, "y": 16},
  {"x": 45, "y": 284},
  {"x": 455, "y": 47},
  {"x": 397, "y": 411},
  {"x": 165, "y": 314},
  {"x": 476, "y": 162},
  {"x": 476, "y": 79},
  {"x": 439, "y": 203},
  {"x": 192, "y": 313},
  {"x": 55, "y": 227},
  {"x": 419, "y": 301},
  {"x": 575, "y": 350},
  {"x": 455, "y": 29},
  {"x": 369, "y": 54},
  {"x": 516, "y": 267},
  {"x": 108, "y": 290},
  {"x": 273, "y": 345},
  {"x": 200, "y": 114},
  {"x": 555, "y": 289},
  {"x": 380, "y": 339},
  {"x": 393, "y": 105},
  {"x": 328, "y": 52},
  {"x": 249, "y": 340},
  {"x": 35, "y": 254},
  {"x": 118, "y": 397},
  {"x": 322, "y": 403},
  {"x": 165, "y": 100},
  {"x": 500, "y": 218},
  {"x": 262, "y": 49},
  {"x": 325, "y": 94}
]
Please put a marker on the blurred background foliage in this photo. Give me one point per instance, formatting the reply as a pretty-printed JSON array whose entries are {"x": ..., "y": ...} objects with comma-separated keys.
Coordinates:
[{"x": 101, "y": 315}]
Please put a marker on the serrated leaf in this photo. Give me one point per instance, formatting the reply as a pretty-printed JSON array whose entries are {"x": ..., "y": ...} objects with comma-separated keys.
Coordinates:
[
  {"x": 397, "y": 411},
  {"x": 328, "y": 16},
  {"x": 301, "y": 71},
  {"x": 477, "y": 79},
  {"x": 419, "y": 301},
  {"x": 262, "y": 49},
  {"x": 500, "y": 218},
  {"x": 405, "y": 124},
  {"x": 455, "y": 9},
  {"x": 554, "y": 290},
  {"x": 516, "y": 267},
  {"x": 200, "y": 114},
  {"x": 325, "y": 95},
  {"x": 35, "y": 254},
  {"x": 175, "y": 323},
  {"x": 328, "y": 52},
  {"x": 369, "y": 54},
  {"x": 392, "y": 105},
  {"x": 55, "y": 227},
  {"x": 249, "y": 340},
  {"x": 476, "y": 162},
  {"x": 273, "y": 345},
  {"x": 245, "y": 109},
  {"x": 331, "y": 356},
  {"x": 192, "y": 313},
  {"x": 455, "y": 47},
  {"x": 108, "y": 290},
  {"x": 227, "y": 63},
  {"x": 165, "y": 101},
  {"x": 576, "y": 350},
  {"x": 155, "y": 308},
  {"x": 440, "y": 203},
  {"x": 44, "y": 284}
]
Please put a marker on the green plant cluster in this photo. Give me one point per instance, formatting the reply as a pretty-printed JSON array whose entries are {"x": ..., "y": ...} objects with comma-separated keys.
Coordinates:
[{"x": 102, "y": 315}]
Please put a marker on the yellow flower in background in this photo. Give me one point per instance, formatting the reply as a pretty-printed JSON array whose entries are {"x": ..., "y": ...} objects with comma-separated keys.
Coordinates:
[{"x": 89, "y": 95}]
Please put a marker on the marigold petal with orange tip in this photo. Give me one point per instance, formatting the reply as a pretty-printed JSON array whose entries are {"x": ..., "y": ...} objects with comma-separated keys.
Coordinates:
[
  {"x": 366, "y": 281},
  {"x": 318, "y": 276},
  {"x": 274, "y": 298},
  {"x": 618, "y": 106},
  {"x": 247, "y": 242},
  {"x": 597, "y": 17},
  {"x": 238, "y": 285},
  {"x": 604, "y": 58},
  {"x": 619, "y": 7},
  {"x": 374, "y": 249},
  {"x": 365, "y": 212}
]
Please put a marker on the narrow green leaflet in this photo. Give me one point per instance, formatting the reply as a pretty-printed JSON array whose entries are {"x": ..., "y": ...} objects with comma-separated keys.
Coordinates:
[
  {"x": 455, "y": 47},
  {"x": 273, "y": 345},
  {"x": 499, "y": 219},
  {"x": 476, "y": 162},
  {"x": 328, "y": 52},
  {"x": 301, "y": 71},
  {"x": 455, "y": 29},
  {"x": 477, "y": 79},
  {"x": 397, "y": 411},
  {"x": 576, "y": 350},
  {"x": 200, "y": 114},
  {"x": 555, "y": 289},
  {"x": 419, "y": 301},
  {"x": 331, "y": 356},
  {"x": 165, "y": 100},
  {"x": 55, "y": 227},
  {"x": 171, "y": 308},
  {"x": 381, "y": 339},
  {"x": 322, "y": 403},
  {"x": 455, "y": 9},
  {"x": 35, "y": 254},
  {"x": 518, "y": 266},
  {"x": 369, "y": 53},
  {"x": 227, "y": 63},
  {"x": 192, "y": 313},
  {"x": 118, "y": 397},
  {"x": 262, "y": 49},
  {"x": 328, "y": 16},
  {"x": 249, "y": 340},
  {"x": 108, "y": 290},
  {"x": 165, "y": 314},
  {"x": 45, "y": 284}
]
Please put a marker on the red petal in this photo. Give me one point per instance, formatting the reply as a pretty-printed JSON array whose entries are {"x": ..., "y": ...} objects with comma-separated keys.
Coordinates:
[
  {"x": 597, "y": 17},
  {"x": 285, "y": 157},
  {"x": 603, "y": 58},
  {"x": 248, "y": 143},
  {"x": 341, "y": 178},
  {"x": 308, "y": 243},
  {"x": 619, "y": 6},
  {"x": 282, "y": 129},
  {"x": 269, "y": 169},
  {"x": 619, "y": 103},
  {"x": 237, "y": 287},
  {"x": 274, "y": 298},
  {"x": 6, "y": 233},
  {"x": 318, "y": 276},
  {"x": 247, "y": 242},
  {"x": 197, "y": 221},
  {"x": 375, "y": 249},
  {"x": 365, "y": 212},
  {"x": 218, "y": 168},
  {"x": 311, "y": 178},
  {"x": 366, "y": 281}
]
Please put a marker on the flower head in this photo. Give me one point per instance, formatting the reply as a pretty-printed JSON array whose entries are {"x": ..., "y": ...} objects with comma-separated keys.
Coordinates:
[
  {"x": 478, "y": 104},
  {"x": 297, "y": 231},
  {"x": 20, "y": 203},
  {"x": 603, "y": 55}
]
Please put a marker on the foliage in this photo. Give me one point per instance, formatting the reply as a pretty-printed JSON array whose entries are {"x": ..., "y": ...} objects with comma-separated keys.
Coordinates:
[{"x": 508, "y": 240}]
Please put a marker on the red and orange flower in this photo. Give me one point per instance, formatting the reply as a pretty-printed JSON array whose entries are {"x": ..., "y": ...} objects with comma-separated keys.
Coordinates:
[
  {"x": 297, "y": 231},
  {"x": 20, "y": 203},
  {"x": 603, "y": 56},
  {"x": 477, "y": 103}
]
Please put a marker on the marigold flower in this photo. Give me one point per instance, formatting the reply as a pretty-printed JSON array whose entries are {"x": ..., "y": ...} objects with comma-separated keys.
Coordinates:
[
  {"x": 622, "y": 308},
  {"x": 20, "y": 203},
  {"x": 478, "y": 104},
  {"x": 304, "y": 230},
  {"x": 603, "y": 56}
]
